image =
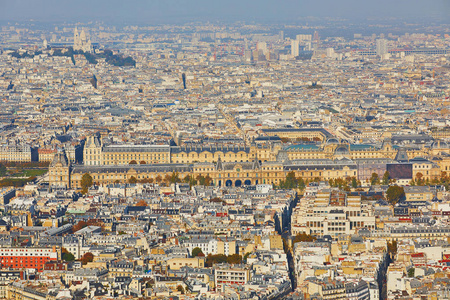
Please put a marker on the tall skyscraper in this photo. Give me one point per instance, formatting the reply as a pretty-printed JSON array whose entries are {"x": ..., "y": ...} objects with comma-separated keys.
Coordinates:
[
  {"x": 316, "y": 36},
  {"x": 381, "y": 47},
  {"x": 295, "y": 48},
  {"x": 262, "y": 46},
  {"x": 248, "y": 56},
  {"x": 307, "y": 46},
  {"x": 330, "y": 53}
]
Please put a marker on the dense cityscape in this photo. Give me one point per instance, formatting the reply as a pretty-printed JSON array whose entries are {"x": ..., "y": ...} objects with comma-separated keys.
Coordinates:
[{"x": 210, "y": 160}]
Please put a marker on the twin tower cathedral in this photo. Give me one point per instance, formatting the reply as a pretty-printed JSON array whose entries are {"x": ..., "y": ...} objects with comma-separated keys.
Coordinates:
[{"x": 81, "y": 42}]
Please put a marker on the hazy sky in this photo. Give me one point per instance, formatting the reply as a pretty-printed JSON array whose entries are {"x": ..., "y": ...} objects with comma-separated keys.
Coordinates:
[{"x": 168, "y": 11}]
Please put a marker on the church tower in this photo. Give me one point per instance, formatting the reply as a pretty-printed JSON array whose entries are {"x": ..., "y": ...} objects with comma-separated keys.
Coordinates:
[
  {"x": 81, "y": 42},
  {"x": 83, "y": 36},
  {"x": 92, "y": 151},
  {"x": 59, "y": 171},
  {"x": 76, "y": 40}
]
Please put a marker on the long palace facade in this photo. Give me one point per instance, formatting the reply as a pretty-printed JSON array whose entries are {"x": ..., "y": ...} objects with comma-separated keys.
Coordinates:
[{"x": 265, "y": 161}]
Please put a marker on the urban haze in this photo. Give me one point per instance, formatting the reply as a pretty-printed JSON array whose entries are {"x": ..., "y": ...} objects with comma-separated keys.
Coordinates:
[{"x": 224, "y": 150}]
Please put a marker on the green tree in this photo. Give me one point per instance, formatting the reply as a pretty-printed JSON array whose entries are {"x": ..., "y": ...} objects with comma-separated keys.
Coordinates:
[
  {"x": 386, "y": 177},
  {"x": 217, "y": 200},
  {"x": 303, "y": 237},
  {"x": 141, "y": 203},
  {"x": 67, "y": 256},
  {"x": 419, "y": 179},
  {"x": 86, "y": 182},
  {"x": 338, "y": 182},
  {"x": 411, "y": 272},
  {"x": 175, "y": 177},
  {"x": 301, "y": 184},
  {"x": 374, "y": 179},
  {"x": 392, "y": 247},
  {"x": 215, "y": 259},
  {"x": 395, "y": 193},
  {"x": 290, "y": 182},
  {"x": 444, "y": 178},
  {"x": 190, "y": 179},
  {"x": 167, "y": 179},
  {"x": 234, "y": 259},
  {"x": 204, "y": 180},
  {"x": 208, "y": 180},
  {"x": 132, "y": 180},
  {"x": 354, "y": 183},
  {"x": 180, "y": 288},
  {"x": 80, "y": 225},
  {"x": 246, "y": 256},
  {"x": 87, "y": 257},
  {"x": 196, "y": 252},
  {"x": 3, "y": 170}
]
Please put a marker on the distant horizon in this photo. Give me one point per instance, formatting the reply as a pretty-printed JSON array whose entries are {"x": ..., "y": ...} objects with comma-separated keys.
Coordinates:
[{"x": 155, "y": 12}]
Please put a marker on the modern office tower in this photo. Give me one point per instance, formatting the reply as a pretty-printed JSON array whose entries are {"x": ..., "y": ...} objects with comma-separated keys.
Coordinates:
[
  {"x": 307, "y": 46},
  {"x": 248, "y": 57},
  {"x": 295, "y": 48},
  {"x": 381, "y": 47},
  {"x": 330, "y": 52},
  {"x": 262, "y": 46},
  {"x": 316, "y": 36}
]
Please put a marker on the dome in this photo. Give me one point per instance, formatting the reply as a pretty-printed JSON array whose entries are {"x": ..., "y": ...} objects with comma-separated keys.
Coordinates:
[
  {"x": 419, "y": 158},
  {"x": 439, "y": 145},
  {"x": 341, "y": 150},
  {"x": 83, "y": 35},
  {"x": 332, "y": 141}
]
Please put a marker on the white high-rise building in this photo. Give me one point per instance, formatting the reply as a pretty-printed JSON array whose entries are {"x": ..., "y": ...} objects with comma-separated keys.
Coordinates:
[
  {"x": 308, "y": 46},
  {"x": 262, "y": 46},
  {"x": 382, "y": 47},
  {"x": 330, "y": 53},
  {"x": 304, "y": 37},
  {"x": 295, "y": 48},
  {"x": 81, "y": 42}
]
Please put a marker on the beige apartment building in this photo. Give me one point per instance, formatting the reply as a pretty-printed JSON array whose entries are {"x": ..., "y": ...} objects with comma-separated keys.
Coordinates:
[{"x": 331, "y": 212}]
